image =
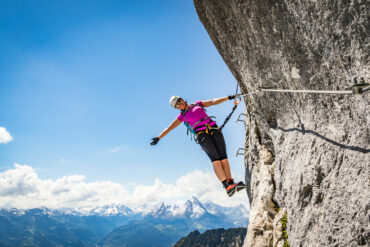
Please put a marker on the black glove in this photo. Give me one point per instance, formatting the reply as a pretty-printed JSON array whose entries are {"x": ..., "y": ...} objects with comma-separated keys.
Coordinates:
[
  {"x": 155, "y": 140},
  {"x": 231, "y": 97}
]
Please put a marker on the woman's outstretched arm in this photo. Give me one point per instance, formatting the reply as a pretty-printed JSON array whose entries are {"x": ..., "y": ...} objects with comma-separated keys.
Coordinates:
[
  {"x": 216, "y": 101},
  {"x": 173, "y": 125}
]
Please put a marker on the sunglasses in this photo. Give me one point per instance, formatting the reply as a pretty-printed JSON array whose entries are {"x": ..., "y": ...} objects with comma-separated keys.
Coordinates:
[{"x": 178, "y": 102}]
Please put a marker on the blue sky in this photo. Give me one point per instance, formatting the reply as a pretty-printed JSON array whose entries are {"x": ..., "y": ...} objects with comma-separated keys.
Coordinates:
[{"x": 84, "y": 86}]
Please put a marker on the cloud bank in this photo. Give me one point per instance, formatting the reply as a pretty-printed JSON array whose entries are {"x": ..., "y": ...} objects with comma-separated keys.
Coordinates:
[
  {"x": 21, "y": 187},
  {"x": 5, "y": 136}
]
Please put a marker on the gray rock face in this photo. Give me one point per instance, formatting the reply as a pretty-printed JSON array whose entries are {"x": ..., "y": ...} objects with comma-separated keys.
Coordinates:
[{"x": 320, "y": 143}]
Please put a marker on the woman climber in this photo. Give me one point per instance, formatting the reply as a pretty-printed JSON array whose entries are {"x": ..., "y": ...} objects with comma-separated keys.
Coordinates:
[{"x": 207, "y": 134}]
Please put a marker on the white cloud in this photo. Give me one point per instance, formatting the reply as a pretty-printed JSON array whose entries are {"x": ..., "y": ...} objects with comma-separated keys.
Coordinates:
[
  {"x": 203, "y": 185},
  {"x": 5, "y": 136},
  {"x": 116, "y": 149},
  {"x": 21, "y": 187},
  {"x": 62, "y": 161}
]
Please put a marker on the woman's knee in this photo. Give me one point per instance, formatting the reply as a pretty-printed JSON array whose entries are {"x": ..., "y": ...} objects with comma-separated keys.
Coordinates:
[
  {"x": 216, "y": 162},
  {"x": 224, "y": 160}
]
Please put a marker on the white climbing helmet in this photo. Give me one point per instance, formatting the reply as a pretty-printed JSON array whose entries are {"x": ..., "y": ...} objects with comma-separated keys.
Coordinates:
[{"x": 173, "y": 100}]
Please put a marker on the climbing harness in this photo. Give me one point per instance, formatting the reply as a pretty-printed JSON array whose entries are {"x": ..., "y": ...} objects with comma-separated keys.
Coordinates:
[
  {"x": 193, "y": 129},
  {"x": 209, "y": 129}
]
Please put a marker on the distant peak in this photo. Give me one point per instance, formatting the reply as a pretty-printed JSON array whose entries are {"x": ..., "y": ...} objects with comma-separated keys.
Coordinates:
[{"x": 195, "y": 199}]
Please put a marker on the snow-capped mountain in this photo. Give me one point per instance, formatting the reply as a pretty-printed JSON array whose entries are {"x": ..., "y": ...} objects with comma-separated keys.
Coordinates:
[
  {"x": 237, "y": 211},
  {"x": 108, "y": 225},
  {"x": 192, "y": 208},
  {"x": 189, "y": 209},
  {"x": 12, "y": 211},
  {"x": 239, "y": 215},
  {"x": 112, "y": 210},
  {"x": 34, "y": 211},
  {"x": 108, "y": 210}
]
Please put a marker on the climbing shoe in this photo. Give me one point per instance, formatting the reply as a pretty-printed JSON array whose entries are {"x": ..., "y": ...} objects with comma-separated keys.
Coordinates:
[
  {"x": 230, "y": 189},
  {"x": 240, "y": 186}
]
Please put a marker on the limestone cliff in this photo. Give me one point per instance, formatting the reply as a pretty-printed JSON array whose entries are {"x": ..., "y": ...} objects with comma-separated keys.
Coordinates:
[{"x": 306, "y": 154}]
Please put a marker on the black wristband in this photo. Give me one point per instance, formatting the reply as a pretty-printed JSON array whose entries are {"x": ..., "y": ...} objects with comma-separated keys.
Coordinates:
[{"x": 231, "y": 97}]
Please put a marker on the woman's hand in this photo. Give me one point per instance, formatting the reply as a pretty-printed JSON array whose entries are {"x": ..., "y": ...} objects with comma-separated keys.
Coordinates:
[{"x": 155, "y": 140}]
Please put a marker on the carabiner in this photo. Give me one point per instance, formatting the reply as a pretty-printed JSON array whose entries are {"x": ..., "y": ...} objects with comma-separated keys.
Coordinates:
[{"x": 236, "y": 102}]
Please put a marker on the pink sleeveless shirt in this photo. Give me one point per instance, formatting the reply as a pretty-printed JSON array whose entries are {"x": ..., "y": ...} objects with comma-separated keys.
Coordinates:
[{"x": 195, "y": 114}]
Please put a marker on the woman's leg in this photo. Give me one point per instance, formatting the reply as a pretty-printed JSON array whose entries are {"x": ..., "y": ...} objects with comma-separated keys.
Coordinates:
[
  {"x": 226, "y": 168},
  {"x": 219, "y": 170},
  {"x": 214, "y": 146},
  {"x": 209, "y": 147},
  {"x": 219, "y": 142}
]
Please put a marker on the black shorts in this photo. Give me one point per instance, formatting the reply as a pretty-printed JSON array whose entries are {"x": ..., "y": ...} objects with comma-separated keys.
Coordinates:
[{"x": 214, "y": 145}]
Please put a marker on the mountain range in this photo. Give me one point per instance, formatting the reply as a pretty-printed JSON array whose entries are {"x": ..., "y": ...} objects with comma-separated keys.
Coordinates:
[{"x": 115, "y": 225}]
